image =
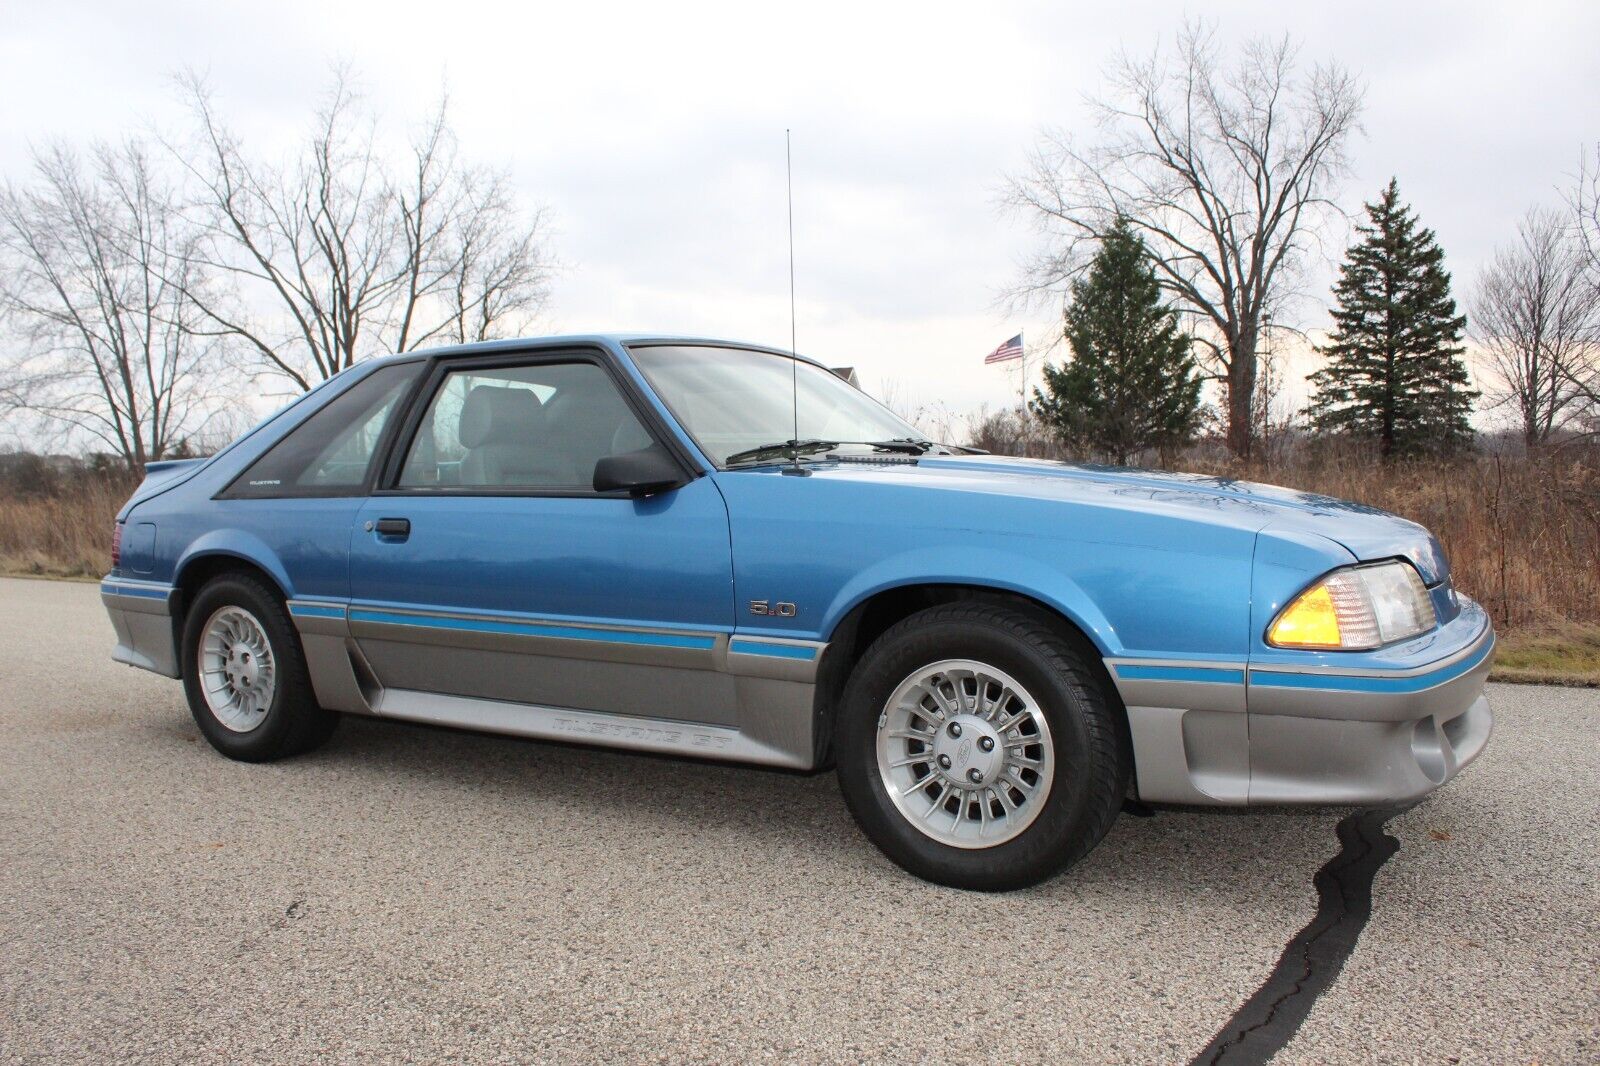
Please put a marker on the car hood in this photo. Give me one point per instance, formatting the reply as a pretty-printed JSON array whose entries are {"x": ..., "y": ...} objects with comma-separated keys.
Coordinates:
[{"x": 1366, "y": 532}]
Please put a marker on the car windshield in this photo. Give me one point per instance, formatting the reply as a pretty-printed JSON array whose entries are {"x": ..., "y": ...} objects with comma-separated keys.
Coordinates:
[{"x": 734, "y": 400}]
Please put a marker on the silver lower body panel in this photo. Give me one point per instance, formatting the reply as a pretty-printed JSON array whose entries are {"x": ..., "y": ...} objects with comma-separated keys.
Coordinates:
[
  {"x": 707, "y": 701},
  {"x": 633, "y": 732},
  {"x": 141, "y": 614}
]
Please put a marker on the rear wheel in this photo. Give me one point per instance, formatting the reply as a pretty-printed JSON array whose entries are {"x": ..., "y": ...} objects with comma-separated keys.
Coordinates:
[
  {"x": 976, "y": 748},
  {"x": 245, "y": 675}
]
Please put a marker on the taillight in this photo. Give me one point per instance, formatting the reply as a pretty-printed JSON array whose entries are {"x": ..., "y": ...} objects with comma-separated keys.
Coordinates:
[{"x": 116, "y": 545}]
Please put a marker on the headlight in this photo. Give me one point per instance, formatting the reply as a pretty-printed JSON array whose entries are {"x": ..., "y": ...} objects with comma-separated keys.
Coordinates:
[{"x": 1356, "y": 609}]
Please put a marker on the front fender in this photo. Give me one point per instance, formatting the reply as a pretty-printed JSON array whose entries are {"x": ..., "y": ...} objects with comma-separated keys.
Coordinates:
[{"x": 981, "y": 567}]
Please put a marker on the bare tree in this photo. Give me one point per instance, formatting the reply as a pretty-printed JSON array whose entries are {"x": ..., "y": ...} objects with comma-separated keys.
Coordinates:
[
  {"x": 98, "y": 268},
  {"x": 1011, "y": 431},
  {"x": 1226, "y": 171},
  {"x": 343, "y": 253},
  {"x": 1585, "y": 203},
  {"x": 1272, "y": 416},
  {"x": 1536, "y": 316}
]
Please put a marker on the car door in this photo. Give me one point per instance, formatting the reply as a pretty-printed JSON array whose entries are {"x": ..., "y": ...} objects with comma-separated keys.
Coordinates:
[{"x": 485, "y": 565}]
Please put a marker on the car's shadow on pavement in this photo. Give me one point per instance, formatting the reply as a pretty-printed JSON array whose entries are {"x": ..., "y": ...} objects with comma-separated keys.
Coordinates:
[{"x": 1220, "y": 855}]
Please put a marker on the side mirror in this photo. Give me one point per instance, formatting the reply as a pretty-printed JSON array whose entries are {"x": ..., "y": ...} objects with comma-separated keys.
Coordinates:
[{"x": 642, "y": 473}]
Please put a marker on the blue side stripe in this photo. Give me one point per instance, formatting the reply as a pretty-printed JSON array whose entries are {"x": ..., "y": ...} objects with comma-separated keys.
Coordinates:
[
  {"x": 1350, "y": 683},
  {"x": 1215, "y": 675},
  {"x": 316, "y": 610},
  {"x": 145, "y": 591},
  {"x": 779, "y": 651},
  {"x": 535, "y": 629}
]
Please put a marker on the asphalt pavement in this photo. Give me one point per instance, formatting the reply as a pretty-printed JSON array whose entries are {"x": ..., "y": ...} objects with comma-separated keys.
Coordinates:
[{"x": 412, "y": 894}]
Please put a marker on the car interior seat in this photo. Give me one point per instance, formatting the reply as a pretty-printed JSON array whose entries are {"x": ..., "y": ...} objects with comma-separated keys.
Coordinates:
[
  {"x": 502, "y": 430},
  {"x": 588, "y": 425}
]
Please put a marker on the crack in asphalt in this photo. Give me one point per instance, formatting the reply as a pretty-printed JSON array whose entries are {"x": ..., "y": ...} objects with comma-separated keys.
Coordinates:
[{"x": 1269, "y": 1019}]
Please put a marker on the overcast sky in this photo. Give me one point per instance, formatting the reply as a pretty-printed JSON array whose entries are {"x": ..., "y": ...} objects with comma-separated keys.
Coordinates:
[{"x": 653, "y": 133}]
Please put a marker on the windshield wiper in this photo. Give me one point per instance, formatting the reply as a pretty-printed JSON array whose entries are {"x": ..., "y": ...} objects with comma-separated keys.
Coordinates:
[
  {"x": 793, "y": 449},
  {"x": 909, "y": 445},
  {"x": 789, "y": 449},
  {"x": 902, "y": 445}
]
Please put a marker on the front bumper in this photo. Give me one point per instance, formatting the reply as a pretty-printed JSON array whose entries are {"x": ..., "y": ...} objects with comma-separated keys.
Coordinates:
[
  {"x": 1346, "y": 737},
  {"x": 1315, "y": 733},
  {"x": 141, "y": 613}
]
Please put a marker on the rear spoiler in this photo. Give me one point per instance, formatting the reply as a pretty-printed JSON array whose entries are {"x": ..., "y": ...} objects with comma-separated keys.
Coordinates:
[
  {"x": 160, "y": 466},
  {"x": 159, "y": 476}
]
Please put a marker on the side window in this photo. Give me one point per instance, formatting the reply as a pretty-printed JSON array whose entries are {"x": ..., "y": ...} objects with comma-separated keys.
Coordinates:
[
  {"x": 526, "y": 428},
  {"x": 328, "y": 454}
]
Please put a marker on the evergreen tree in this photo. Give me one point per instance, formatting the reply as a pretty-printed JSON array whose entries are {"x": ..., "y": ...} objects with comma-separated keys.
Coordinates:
[
  {"x": 1130, "y": 383},
  {"x": 1395, "y": 373}
]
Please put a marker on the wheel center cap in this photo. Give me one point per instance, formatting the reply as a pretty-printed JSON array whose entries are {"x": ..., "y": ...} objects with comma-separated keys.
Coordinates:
[
  {"x": 973, "y": 751},
  {"x": 243, "y": 668}
]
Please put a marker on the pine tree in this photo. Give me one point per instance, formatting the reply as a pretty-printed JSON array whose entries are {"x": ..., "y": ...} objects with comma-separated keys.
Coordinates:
[
  {"x": 1395, "y": 373},
  {"x": 1130, "y": 383}
]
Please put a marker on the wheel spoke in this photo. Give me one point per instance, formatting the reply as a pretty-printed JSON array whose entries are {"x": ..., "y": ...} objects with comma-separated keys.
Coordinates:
[
  {"x": 1016, "y": 779},
  {"x": 1014, "y": 721},
  {"x": 945, "y": 710}
]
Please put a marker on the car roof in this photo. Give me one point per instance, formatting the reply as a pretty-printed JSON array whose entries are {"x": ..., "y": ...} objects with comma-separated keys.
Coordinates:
[{"x": 567, "y": 340}]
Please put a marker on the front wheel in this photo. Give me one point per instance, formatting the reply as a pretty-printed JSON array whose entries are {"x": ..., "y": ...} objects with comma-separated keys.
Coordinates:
[
  {"x": 976, "y": 748},
  {"x": 245, "y": 675}
]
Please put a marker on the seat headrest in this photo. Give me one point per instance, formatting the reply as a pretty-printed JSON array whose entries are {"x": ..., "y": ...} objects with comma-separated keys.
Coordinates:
[
  {"x": 493, "y": 414},
  {"x": 630, "y": 436}
]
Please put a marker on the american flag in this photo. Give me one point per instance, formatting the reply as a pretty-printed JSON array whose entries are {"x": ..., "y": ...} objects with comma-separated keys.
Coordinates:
[{"x": 1011, "y": 349}]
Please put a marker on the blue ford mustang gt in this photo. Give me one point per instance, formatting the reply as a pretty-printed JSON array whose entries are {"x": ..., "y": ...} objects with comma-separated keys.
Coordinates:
[{"x": 718, "y": 550}]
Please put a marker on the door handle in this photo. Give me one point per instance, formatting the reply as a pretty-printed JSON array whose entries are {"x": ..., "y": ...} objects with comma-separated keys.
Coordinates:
[{"x": 394, "y": 527}]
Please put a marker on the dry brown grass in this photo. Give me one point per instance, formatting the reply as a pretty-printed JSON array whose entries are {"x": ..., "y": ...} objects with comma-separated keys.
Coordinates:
[{"x": 66, "y": 533}]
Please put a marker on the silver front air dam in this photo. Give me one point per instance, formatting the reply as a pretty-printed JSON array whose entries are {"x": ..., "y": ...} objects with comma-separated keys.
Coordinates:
[
  {"x": 1327, "y": 736},
  {"x": 1237, "y": 733}
]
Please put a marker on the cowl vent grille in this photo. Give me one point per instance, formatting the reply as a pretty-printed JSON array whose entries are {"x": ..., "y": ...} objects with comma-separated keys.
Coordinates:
[{"x": 876, "y": 460}]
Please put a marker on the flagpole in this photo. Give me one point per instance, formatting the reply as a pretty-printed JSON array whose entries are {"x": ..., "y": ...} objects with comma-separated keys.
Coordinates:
[{"x": 1022, "y": 379}]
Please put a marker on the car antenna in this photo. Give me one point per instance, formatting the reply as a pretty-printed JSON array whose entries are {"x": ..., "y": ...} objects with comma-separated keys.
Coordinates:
[{"x": 794, "y": 354}]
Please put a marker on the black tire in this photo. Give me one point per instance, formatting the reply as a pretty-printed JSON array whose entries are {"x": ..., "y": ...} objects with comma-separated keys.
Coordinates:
[
  {"x": 294, "y": 723},
  {"x": 1092, "y": 758}
]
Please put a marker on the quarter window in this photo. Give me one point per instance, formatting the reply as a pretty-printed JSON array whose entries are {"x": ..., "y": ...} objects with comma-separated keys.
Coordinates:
[
  {"x": 527, "y": 428},
  {"x": 330, "y": 453}
]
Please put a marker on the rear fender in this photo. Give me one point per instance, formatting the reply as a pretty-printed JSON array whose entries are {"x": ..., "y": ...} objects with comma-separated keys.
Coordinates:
[{"x": 238, "y": 544}]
